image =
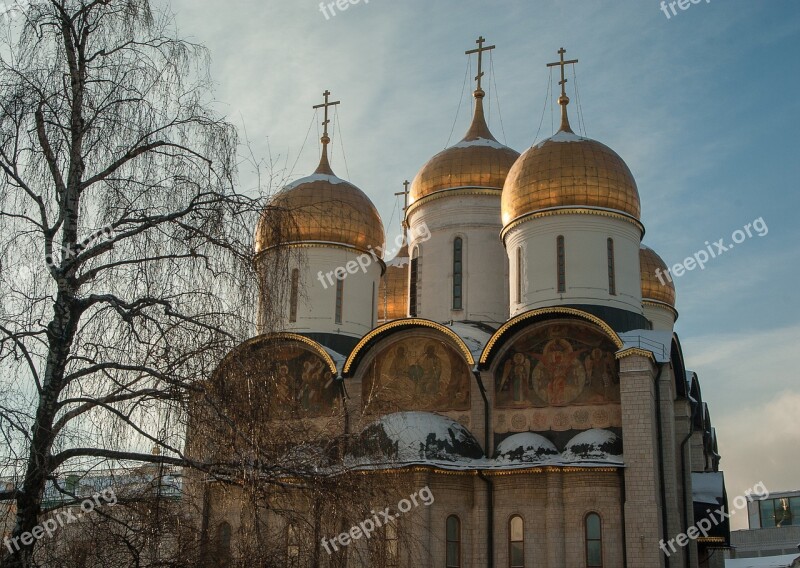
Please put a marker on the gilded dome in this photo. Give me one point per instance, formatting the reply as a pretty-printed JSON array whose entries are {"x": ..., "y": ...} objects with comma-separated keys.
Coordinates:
[
  {"x": 568, "y": 170},
  {"x": 652, "y": 288},
  {"x": 321, "y": 208},
  {"x": 393, "y": 290},
  {"x": 478, "y": 161}
]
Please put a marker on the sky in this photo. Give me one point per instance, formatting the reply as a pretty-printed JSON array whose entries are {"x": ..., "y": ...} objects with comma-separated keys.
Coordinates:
[{"x": 702, "y": 106}]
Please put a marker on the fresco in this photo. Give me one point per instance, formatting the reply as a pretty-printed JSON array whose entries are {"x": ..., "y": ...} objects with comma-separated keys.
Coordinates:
[
  {"x": 417, "y": 373},
  {"x": 291, "y": 380},
  {"x": 558, "y": 365}
]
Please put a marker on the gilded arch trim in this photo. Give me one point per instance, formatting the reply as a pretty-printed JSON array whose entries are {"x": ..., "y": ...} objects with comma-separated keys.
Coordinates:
[
  {"x": 270, "y": 337},
  {"x": 489, "y": 350},
  {"x": 355, "y": 356}
]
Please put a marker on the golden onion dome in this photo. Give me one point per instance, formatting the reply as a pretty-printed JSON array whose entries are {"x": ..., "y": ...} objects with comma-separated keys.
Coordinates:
[
  {"x": 393, "y": 291},
  {"x": 478, "y": 161},
  {"x": 654, "y": 272},
  {"x": 568, "y": 171},
  {"x": 321, "y": 208}
]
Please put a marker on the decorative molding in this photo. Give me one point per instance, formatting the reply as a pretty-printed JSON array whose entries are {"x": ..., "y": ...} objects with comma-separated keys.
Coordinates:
[
  {"x": 599, "y": 211},
  {"x": 487, "y": 351},
  {"x": 661, "y": 305},
  {"x": 454, "y": 191},
  {"x": 403, "y": 323},
  {"x": 285, "y": 336}
]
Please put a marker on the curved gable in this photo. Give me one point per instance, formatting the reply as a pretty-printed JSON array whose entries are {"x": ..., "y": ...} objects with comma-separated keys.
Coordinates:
[{"x": 544, "y": 314}]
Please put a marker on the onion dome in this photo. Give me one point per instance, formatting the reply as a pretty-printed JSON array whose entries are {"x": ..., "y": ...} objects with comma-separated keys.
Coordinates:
[
  {"x": 321, "y": 208},
  {"x": 526, "y": 447},
  {"x": 569, "y": 171},
  {"x": 478, "y": 161},
  {"x": 656, "y": 286},
  {"x": 595, "y": 445},
  {"x": 393, "y": 290},
  {"x": 415, "y": 437}
]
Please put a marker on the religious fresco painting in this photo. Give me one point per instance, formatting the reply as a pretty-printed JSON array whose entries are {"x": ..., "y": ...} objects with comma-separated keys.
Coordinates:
[
  {"x": 417, "y": 374},
  {"x": 558, "y": 365},
  {"x": 295, "y": 381}
]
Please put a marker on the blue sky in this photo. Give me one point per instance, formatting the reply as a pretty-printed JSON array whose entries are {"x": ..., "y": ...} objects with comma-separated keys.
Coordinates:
[{"x": 702, "y": 106}]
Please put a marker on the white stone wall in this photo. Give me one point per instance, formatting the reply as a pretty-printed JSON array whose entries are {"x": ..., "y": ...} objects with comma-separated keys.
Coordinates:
[
  {"x": 662, "y": 319},
  {"x": 316, "y": 304},
  {"x": 476, "y": 219},
  {"x": 586, "y": 241}
]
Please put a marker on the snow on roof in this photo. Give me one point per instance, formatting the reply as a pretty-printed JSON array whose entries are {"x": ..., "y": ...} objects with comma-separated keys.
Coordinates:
[
  {"x": 480, "y": 142},
  {"x": 657, "y": 342},
  {"x": 526, "y": 447},
  {"x": 406, "y": 438},
  {"x": 562, "y": 136},
  {"x": 708, "y": 487},
  {"x": 312, "y": 178},
  {"x": 595, "y": 445},
  {"x": 337, "y": 357},
  {"x": 422, "y": 438},
  {"x": 786, "y": 561},
  {"x": 475, "y": 337}
]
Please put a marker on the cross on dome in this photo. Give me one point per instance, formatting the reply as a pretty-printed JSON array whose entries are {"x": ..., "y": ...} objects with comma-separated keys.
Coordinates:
[
  {"x": 324, "y": 166},
  {"x": 563, "y": 100},
  {"x": 480, "y": 41}
]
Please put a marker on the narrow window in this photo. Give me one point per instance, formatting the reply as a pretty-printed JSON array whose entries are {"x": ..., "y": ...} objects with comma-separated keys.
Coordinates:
[
  {"x": 516, "y": 542},
  {"x": 458, "y": 272},
  {"x": 453, "y": 542},
  {"x": 391, "y": 557},
  {"x": 339, "y": 297},
  {"x": 292, "y": 546},
  {"x": 612, "y": 279},
  {"x": 519, "y": 275},
  {"x": 562, "y": 265},
  {"x": 414, "y": 284},
  {"x": 223, "y": 544},
  {"x": 293, "y": 295},
  {"x": 594, "y": 541}
]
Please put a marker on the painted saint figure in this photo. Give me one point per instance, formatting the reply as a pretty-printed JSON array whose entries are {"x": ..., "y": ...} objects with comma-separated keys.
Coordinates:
[
  {"x": 517, "y": 371},
  {"x": 431, "y": 370},
  {"x": 559, "y": 375}
]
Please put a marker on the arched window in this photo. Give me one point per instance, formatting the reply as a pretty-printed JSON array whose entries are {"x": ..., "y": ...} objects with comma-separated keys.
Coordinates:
[
  {"x": 413, "y": 288},
  {"x": 292, "y": 546},
  {"x": 594, "y": 541},
  {"x": 453, "y": 542},
  {"x": 223, "y": 548},
  {"x": 391, "y": 556},
  {"x": 561, "y": 255},
  {"x": 458, "y": 273},
  {"x": 295, "y": 283},
  {"x": 612, "y": 278},
  {"x": 519, "y": 275},
  {"x": 339, "y": 297},
  {"x": 516, "y": 542}
]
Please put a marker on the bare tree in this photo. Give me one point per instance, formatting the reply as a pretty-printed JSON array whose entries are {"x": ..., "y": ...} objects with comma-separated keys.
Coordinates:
[{"x": 125, "y": 251}]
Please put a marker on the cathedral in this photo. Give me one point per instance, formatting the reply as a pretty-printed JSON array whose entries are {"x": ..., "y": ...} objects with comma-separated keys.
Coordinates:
[{"x": 510, "y": 379}]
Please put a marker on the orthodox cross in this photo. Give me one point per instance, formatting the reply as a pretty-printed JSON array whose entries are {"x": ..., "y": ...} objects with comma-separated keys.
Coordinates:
[
  {"x": 480, "y": 41},
  {"x": 327, "y": 104},
  {"x": 563, "y": 64}
]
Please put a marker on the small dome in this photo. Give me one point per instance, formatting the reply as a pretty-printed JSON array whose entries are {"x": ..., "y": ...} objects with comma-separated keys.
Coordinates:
[
  {"x": 393, "y": 290},
  {"x": 568, "y": 170},
  {"x": 416, "y": 437},
  {"x": 478, "y": 161},
  {"x": 322, "y": 208},
  {"x": 652, "y": 266},
  {"x": 526, "y": 447},
  {"x": 594, "y": 445}
]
